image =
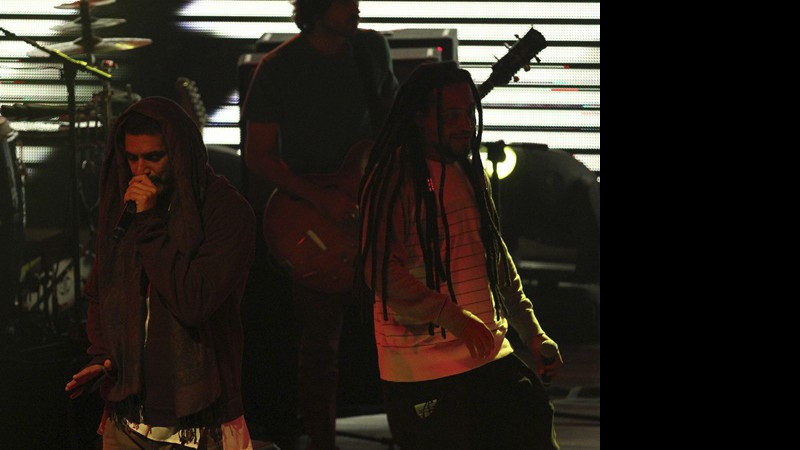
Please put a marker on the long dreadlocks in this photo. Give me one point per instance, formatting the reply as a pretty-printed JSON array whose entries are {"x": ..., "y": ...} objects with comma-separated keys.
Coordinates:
[{"x": 399, "y": 155}]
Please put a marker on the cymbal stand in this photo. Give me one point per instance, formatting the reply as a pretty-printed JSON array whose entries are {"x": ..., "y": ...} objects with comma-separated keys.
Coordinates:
[
  {"x": 107, "y": 112},
  {"x": 69, "y": 73},
  {"x": 87, "y": 38}
]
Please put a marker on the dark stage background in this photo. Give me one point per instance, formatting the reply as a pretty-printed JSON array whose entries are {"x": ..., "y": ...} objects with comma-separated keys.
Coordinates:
[{"x": 550, "y": 118}]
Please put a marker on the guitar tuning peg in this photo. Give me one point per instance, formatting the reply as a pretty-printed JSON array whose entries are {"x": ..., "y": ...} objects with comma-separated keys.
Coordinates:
[
  {"x": 516, "y": 78},
  {"x": 507, "y": 46},
  {"x": 495, "y": 58},
  {"x": 527, "y": 67},
  {"x": 517, "y": 36},
  {"x": 537, "y": 59}
]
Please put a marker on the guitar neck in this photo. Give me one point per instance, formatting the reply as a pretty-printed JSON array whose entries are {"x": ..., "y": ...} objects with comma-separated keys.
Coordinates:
[
  {"x": 191, "y": 102},
  {"x": 519, "y": 56},
  {"x": 485, "y": 88}
]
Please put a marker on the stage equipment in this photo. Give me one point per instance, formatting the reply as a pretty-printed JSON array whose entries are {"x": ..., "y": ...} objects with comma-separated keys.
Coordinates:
[
  {"x": 79, "y": 4},
  {"x": 71, "y": 67},
  {"x": 443, "y": 40},
  {"x": 94, "y": 24},
  {"x": 81, "y": 46},
  {"x": 12, "y": 216},
  {"x": 102, "y": 107},
  {"x": 550, "y": 212}
]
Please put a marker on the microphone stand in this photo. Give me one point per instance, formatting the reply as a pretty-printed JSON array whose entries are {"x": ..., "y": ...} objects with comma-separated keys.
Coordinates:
[{"x": 70, "y": 71}]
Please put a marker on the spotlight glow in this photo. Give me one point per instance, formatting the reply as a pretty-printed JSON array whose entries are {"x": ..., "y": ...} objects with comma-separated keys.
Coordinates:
[{"x": 504, "y": 168}]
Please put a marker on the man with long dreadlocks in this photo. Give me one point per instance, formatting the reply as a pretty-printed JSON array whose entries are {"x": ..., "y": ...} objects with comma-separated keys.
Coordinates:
[
  {"x": 164, "y": 295},
  {"x": 441, "y": 282}
]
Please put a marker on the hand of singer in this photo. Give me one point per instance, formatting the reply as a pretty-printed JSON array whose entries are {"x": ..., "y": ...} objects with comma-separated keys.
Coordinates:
[
  {"x": 549, "y": 368},
  {"x": 86, "y": 375},
  {"x": 142, "y": 191},
  {"x": 478, "y": 338}
]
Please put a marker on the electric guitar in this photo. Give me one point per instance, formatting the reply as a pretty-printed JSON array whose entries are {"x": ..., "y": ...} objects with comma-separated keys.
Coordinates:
[{"x": 319, "y": 252}]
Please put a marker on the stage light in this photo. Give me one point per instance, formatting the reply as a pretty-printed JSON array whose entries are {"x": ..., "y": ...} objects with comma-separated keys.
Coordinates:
[
  {"x": 504, "y": 167},
  {"x": 550, "y": 210}
]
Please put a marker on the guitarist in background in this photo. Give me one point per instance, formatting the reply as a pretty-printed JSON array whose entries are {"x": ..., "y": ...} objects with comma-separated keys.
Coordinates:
[
  {"x": 310, "y": 100},
  {"x": 443, "y": 288}
]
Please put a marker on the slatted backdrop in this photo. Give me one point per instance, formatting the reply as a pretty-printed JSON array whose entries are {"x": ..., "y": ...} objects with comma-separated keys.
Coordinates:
[{"x": 556, "y": 103}]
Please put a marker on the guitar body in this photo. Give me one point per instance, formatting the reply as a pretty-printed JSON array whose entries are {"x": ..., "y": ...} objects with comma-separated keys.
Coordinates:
[{"x": 315, "y": 251}]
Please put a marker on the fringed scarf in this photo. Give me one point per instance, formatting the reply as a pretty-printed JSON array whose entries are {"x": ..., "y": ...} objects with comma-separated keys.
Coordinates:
[{"x": 122, "y": 282}]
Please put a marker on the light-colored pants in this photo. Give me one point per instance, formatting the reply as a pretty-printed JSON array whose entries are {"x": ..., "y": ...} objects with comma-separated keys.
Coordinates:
[{"x": 116, "y": 438}]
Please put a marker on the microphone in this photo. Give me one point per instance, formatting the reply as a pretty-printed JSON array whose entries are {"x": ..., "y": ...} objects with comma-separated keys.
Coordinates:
[
  {"x": 549, "y": 350},
  {"x": 125, "y": 220}
]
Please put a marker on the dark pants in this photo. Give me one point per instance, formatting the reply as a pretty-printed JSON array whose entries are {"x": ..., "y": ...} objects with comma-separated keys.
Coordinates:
[
  {"x": 501, "y": 405},
  {"x": 321, "y": 318}
]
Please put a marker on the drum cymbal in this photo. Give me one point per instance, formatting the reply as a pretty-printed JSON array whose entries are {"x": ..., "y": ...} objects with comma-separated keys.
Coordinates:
[
  {"x": 77, "y": 24},
  {"x": 92, "y": 3},
  {"x": 102, "y": 45}
]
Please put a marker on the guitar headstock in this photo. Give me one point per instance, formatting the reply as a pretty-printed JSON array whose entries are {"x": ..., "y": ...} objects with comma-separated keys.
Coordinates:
[
  {"x": 191, "y": 102},
  {"x": 518, "y": 57}
]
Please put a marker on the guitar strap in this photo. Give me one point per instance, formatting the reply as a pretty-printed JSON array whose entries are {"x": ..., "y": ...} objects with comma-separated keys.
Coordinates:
[{"x": 368, "y": 82}]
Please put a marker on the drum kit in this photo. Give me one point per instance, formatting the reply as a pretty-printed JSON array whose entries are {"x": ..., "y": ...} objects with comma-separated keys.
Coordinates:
[
  {"x": 108, "y": 101},
  {"x": 52, "y": 286}
]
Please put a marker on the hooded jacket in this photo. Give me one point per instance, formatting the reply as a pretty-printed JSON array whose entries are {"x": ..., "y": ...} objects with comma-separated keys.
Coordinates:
[{"x": 164, "y": 301}]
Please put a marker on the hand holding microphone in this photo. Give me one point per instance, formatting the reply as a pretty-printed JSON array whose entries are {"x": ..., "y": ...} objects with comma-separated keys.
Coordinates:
[
  {"x": 549, "y": 353},
  {"x": 141, "y": 191},
  {"x": 125, "y": 219}
]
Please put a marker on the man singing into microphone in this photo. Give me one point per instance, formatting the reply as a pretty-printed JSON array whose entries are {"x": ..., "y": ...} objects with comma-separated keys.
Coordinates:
[{"x": 164, "y": 294}]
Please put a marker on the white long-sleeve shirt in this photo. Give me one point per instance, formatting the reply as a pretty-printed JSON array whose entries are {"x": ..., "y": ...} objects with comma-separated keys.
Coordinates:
[{"x": 406, "y": 349}]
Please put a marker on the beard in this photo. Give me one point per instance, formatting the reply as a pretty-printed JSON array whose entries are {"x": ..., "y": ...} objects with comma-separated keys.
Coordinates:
[
  {"x": 454, "y": 153},
  {"x": 459, "y": 147}
]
